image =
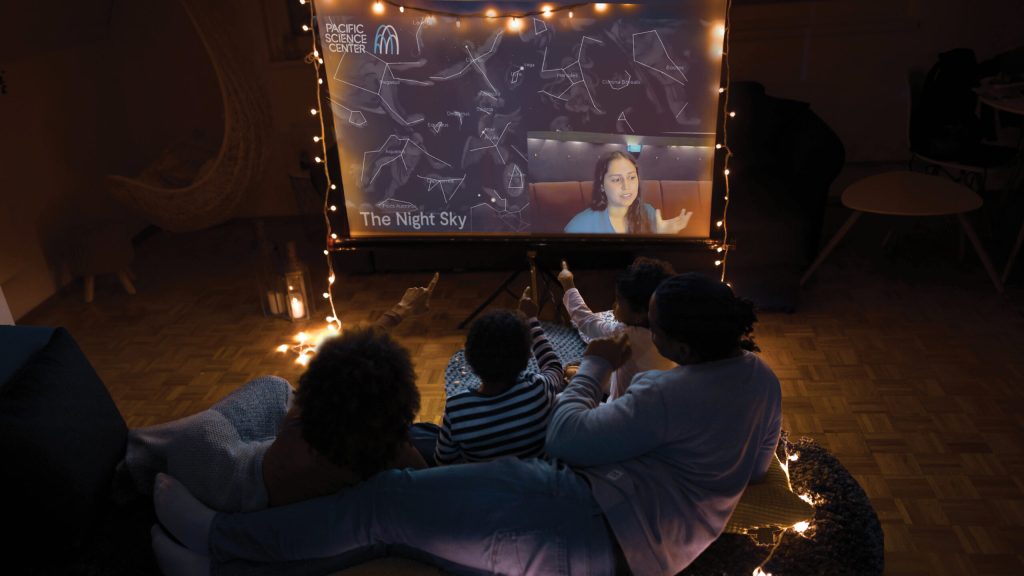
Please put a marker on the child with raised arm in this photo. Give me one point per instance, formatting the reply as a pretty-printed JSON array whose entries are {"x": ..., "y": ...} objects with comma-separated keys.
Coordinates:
[
  {"x": 633, "y": 290},
  {"x": 508, "y": 414}
]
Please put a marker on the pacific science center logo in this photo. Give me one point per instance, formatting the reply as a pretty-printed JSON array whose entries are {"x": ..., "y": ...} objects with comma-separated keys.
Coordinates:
[{"x": 385, "y": 41}]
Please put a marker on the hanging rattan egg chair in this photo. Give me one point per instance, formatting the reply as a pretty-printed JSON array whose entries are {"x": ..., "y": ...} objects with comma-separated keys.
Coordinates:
[{"x": 213, "y": 196}]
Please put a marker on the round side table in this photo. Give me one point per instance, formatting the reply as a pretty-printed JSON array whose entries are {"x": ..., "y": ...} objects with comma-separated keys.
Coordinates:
[{"x": 909, "y": 194}]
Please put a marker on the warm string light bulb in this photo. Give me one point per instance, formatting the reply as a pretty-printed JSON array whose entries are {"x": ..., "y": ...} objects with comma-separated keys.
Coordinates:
[
  {"x": 491, "y": 13},
  {"x": 600, "y": 7},
  {"x": 545, "y": 11},
  {"x": 514, "y": 23},
  {"x": 378, "y": 7}
]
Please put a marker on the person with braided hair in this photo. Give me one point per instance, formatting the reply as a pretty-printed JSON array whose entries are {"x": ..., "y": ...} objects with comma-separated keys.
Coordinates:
[{"x": 642, "y": 484}]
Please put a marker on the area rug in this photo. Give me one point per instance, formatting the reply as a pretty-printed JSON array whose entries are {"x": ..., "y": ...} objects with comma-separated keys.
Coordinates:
[
  {"x": 845, "y": 537},
  {"x": 566, "y": 341}
]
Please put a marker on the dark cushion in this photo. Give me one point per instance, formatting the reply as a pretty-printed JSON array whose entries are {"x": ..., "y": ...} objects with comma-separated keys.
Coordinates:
[
  {"x": 61, "y": 437},
  {"x": 19, "y": 343}
]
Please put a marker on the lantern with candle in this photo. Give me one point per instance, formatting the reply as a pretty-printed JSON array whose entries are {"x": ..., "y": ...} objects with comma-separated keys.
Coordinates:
[{"x": 298, "y": 302}]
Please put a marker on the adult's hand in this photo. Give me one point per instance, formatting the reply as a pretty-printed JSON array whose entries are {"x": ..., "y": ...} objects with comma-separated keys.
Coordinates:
[
  {"x": 526, "y": 304},
  {"x": 672, "y": 225},
  {"x": 565, "y": 277},
  {"x": 416, "y": 300},
  {"x": 616, "y": 350}
]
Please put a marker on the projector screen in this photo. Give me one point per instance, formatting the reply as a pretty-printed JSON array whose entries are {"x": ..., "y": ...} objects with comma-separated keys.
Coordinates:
[{"x": 596, "y": 121}]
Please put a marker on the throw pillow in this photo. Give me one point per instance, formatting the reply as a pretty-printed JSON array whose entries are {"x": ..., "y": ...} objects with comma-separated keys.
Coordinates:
[{"x": 61, "y": 436}]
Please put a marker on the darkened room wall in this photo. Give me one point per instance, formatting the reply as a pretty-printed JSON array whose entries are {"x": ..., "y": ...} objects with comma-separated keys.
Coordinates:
[{"x": 103, "y": 87}]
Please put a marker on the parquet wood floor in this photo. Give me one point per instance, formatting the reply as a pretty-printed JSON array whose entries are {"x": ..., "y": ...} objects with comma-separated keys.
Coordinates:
[{"x": 907, "y": 367}]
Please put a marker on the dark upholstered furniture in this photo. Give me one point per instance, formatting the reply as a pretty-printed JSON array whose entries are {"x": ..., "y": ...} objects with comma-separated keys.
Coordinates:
[
  {"x": 555, "y": 203},
  {"x": 66, "y": 508},
  {"x": 785, "y": 158}
]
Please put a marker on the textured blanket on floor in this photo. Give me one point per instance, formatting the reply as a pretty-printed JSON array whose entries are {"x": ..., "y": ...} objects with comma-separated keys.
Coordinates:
[
  {"x": 217, "y": 453},
  {"x": 566, "y": 341}
]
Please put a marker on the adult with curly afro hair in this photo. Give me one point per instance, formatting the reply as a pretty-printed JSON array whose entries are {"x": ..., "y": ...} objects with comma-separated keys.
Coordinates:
[
  {"x": 350, "y": 420},
  {"x": 266, "y": 445}
]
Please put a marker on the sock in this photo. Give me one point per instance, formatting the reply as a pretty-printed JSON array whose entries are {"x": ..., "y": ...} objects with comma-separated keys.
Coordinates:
[
  {"x": 184, "y": 516},
  {"x": 174, "y": 559}
]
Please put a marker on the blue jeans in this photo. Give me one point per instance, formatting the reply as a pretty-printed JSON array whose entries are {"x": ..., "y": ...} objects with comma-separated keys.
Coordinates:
[{"x": 508, "y": 516}]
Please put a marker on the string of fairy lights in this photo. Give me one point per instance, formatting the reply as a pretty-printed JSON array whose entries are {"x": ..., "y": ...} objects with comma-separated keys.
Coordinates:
[
  {"x": 306, "y": 342},
  {"x": 722, "y": 246}
]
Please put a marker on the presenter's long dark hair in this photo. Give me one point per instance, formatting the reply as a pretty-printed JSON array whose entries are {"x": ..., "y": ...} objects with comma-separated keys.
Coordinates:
[{"x": 636, "y": 218}]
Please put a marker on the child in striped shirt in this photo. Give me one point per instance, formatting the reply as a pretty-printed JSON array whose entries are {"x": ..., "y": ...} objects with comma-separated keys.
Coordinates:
[{"x": 508, "y": 414}]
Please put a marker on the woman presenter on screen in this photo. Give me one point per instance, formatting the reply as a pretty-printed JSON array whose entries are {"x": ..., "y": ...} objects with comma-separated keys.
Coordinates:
[{"x": 617, "y": 206}]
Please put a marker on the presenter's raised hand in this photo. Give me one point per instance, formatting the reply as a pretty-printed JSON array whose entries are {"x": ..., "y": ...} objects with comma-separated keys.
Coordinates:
[
  {"x": 416, "y": 300},
  {"x": 672, "y": 225},
  {"x": 526, "y": 304},
  {"x": 565, "y": 277},
  {"x": 616, "y": 350}
]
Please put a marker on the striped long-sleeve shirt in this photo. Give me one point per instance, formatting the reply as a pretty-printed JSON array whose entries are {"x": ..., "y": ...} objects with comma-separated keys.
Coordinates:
[{"x": 514, "y": 423}]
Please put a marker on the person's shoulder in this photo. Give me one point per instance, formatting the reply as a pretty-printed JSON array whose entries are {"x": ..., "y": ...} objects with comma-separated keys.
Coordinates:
[{"x": 582, "y": 221}]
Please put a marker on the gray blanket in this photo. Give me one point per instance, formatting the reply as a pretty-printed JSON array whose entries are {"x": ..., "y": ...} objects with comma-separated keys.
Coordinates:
[{"x": 218, "y": 453}]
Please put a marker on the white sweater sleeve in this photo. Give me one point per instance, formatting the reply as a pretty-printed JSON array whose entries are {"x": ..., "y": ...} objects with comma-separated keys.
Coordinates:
[{"x": 590, "y": 325}]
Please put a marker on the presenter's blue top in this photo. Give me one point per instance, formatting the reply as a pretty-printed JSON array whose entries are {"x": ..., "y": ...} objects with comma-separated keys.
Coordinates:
[{"x": 597, "y": 221}]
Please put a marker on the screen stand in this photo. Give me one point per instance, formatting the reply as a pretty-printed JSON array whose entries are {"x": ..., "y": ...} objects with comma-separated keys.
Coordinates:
[{"x": 546, "y": 276}]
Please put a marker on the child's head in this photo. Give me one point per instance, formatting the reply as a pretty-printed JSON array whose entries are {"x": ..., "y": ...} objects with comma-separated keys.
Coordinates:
[
  {"x": 699, "y": 319},
  {"x": 634, "y": 287},
  {"x": 357, "y": 399},
  {"x": 498, "y": 347}
]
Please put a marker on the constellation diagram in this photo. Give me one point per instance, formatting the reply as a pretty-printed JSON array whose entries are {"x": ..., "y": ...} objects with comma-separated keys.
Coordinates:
[
  {"x": 445, "y": 184},
  {"x": 622, "y": 118},
  {"x": 494, "y": 143},
  {"x": 573, "y": 72},
  {"x": 620, "y": 84},
  {"x": 387, "y": 79},
  {"x": 655, "y": 59},
  {"x": 387, "y": 155},
  {"x": 516, "y": 180},
  {"x": 476, "y": 61},
  {"x": 492, "y": 216}
]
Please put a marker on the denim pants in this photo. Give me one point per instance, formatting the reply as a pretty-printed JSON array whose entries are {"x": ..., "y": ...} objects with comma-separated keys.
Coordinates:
[{"x": 508, "y": 516}]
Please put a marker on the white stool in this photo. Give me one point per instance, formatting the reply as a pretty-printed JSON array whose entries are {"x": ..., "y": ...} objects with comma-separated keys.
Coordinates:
[
  {"x": 100, "y": 250},
  {"x": 909, "y": 194}
]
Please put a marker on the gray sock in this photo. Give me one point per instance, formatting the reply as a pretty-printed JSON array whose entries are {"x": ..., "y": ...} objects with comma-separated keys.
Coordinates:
[
  {"x": 174, "y": 559},
  {"x": 184, "y": 516}
]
